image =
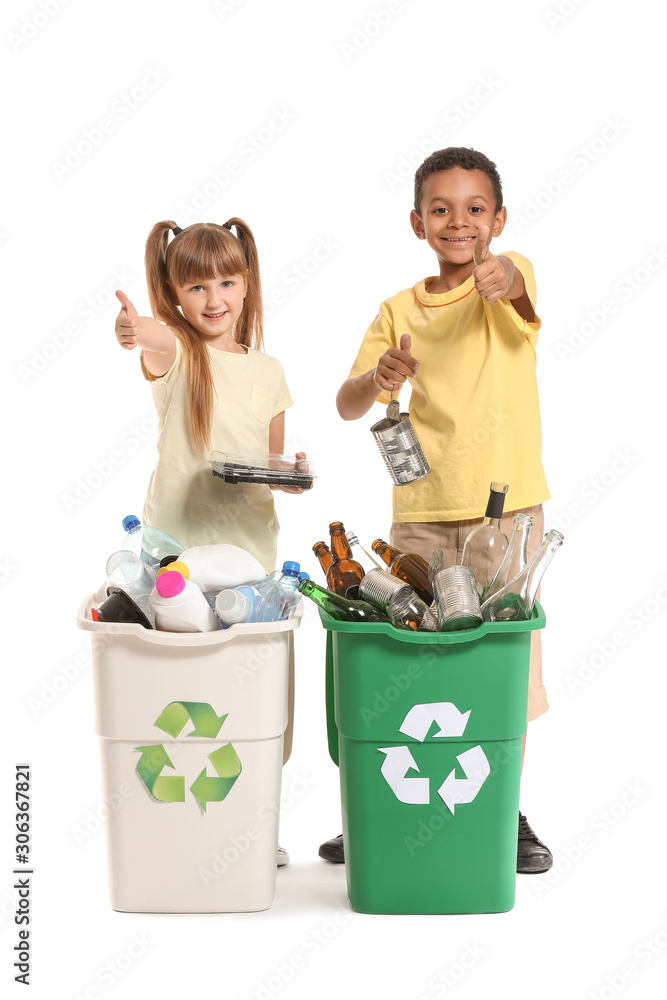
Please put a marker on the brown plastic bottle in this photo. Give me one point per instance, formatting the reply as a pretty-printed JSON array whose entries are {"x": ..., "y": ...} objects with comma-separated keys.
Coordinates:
[
  {"x": 323, "y": 553},
  {"x": 345, "y": 573},
  {"x": 407, "y": 566}
]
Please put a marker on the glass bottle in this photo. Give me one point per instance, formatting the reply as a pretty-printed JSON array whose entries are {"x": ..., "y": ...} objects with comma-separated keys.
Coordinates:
[
  {"x": 486, "y": 544},
  {"x": 341, "y": 608},
  {"x": 516, "y": 555},
  {"x": 407, "y": 610},
  {"x": 345, "y": 573},
  {"x": 354, "y": 540},
  {"x": 407, "y": 566},
  {"x": 515, "y": 601},
  {"x": 323, "y": 553}
]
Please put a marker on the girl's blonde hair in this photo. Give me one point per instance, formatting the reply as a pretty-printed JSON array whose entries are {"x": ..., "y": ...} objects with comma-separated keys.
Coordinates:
[{"x": 202, "y": 252}]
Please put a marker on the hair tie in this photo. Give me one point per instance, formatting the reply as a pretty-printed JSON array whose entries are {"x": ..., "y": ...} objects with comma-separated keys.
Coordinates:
[
  {"x": 226, "y": 225},
  {"x": 176, "y": 230}
]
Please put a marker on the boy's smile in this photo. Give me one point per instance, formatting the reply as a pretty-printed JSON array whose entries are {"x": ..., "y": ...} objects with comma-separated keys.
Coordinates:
[{"x": 454, "y": 204}]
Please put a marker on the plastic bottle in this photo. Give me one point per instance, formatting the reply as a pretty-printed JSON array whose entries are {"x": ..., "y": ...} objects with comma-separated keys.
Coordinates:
[
  {"x": 276, "y": 595},
  {"x": 125, "y": 571},
  {"x": 219, "y": 567},
  {"x": 148, "y": 542},
  {"x": 180, "y": 605},
  {"x": 238, "y": 604}
]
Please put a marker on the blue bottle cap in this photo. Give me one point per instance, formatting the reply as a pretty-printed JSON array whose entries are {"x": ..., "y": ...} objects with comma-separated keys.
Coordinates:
[
  {"x": 131, "y": 523},
  {"x": 291, "y": 567},
  {"x": 303, "y": 576}
]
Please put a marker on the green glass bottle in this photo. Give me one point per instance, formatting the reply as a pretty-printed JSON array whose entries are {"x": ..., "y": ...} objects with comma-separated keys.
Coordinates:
[{"x": 341, "y": 608}]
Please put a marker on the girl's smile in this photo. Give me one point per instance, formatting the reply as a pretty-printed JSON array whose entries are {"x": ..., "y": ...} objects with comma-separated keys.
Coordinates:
[{"x": 212, "y": 306}]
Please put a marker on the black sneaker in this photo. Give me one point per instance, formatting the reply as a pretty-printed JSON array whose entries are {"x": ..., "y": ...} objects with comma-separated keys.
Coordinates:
[
  {"x": 333, "y": 850},
  {"x": 532, "y": 855}
]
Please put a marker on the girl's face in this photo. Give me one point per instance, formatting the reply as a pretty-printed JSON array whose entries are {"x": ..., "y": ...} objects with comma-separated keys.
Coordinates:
[{"x": 213, "y": 306}]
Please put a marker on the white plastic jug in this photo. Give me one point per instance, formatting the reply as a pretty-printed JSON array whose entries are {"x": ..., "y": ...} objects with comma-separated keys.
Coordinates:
[
  {"x": 180, "y": 605},
  {"x": 217, "y": 567}
]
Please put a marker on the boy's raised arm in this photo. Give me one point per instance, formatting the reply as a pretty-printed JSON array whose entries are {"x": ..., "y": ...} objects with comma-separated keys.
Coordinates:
[{"x": 357, "y": 395}]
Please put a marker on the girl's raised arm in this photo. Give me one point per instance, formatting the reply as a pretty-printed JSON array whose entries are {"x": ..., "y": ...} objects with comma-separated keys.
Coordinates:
[{"x": 155, "y": 339}]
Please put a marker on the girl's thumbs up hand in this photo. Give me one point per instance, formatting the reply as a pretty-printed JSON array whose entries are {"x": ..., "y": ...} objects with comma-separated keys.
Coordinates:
[{"x": 127, "y": 323}]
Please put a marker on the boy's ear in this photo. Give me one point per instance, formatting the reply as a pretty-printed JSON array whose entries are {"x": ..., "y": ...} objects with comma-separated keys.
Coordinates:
[
  {"x": 417, "y": 225},
  {"x": 499, "y": 221}
]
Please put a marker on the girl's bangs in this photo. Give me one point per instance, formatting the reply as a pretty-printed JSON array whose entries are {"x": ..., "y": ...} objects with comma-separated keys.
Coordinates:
[{"x": 205, "y": 255}]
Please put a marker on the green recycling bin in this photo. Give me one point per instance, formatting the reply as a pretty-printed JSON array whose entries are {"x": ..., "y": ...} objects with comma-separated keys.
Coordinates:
[{"x": 426, "y": 728}]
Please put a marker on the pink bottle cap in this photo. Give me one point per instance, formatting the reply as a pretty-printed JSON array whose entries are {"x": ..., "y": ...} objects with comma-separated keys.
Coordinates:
[{"x": 170, "y": 584}]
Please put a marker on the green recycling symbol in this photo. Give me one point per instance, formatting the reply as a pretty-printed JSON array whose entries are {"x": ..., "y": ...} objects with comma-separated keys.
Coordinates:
[{"x": 205, "y": 788}]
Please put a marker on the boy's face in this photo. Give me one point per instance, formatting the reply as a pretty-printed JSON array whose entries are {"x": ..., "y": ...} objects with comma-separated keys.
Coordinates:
[{"x": 454, "y": 204}]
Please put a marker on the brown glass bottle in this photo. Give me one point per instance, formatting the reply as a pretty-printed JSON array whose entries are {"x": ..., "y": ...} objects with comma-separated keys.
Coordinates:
[
  {"x": 345, "y": 573},
  {"x": 406, "y": 566},
  {"x": 323, "y": 553}
]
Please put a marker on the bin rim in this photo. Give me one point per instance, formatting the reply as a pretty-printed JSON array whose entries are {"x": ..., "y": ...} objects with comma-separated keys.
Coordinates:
[
  {"x": 160, "y": 638},
  {"x": 536, "y": 621}
]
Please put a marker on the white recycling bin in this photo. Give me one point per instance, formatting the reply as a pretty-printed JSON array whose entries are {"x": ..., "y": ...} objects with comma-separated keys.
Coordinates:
[{"x": 191, "y": 729}]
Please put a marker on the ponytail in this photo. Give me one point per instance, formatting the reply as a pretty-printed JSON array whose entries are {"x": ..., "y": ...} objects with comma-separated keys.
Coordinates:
[{"x": 201, "y": 252}]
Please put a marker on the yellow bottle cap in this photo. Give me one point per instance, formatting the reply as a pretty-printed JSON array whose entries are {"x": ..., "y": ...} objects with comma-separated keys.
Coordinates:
[{"x": 177, "y": 567}]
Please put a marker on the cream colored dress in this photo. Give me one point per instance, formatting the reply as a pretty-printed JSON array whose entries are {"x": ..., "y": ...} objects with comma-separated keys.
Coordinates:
[{"x": 184, "y": 498}]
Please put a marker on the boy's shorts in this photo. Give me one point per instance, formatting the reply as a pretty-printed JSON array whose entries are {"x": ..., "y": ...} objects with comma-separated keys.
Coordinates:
[{"x": 422, "y": 537}]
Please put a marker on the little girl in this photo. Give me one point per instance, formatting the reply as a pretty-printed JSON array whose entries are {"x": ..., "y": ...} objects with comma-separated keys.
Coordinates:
[{"x": 213, "y": 387}]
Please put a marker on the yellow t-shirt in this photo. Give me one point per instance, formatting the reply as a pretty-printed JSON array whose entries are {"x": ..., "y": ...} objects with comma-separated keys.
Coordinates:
[
  {"x": 184, "y": 498},
  {"x": 474, "y": 402}
]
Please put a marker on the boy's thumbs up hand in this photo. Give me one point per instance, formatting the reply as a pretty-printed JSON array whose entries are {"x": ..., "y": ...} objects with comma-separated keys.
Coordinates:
[
  {"x": 493, "y": 275},
  {"x": 396, "y": 365},
  {"x": 480, "y": 251},
  {"x": 127, "y": 323}
]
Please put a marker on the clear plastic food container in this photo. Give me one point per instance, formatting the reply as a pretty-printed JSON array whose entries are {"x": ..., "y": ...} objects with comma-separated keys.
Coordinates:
[{"x": 273, "y": 470}]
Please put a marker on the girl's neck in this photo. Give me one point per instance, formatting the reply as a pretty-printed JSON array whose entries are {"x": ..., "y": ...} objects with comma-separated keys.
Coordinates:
[{"x": 226, "y": 342}]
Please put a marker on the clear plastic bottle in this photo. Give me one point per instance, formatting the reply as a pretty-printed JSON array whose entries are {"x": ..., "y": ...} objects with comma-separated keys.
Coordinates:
[
  {"x": 238, "y": 604},
  {"x": 486, "y": 544},
  {"x": 516, "y": 555},
  {"x": 515, "y": 601},
  {"x": 149, "y": 543}
]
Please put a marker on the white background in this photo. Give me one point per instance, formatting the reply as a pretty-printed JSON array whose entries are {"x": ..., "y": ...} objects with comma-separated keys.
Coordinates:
[{"x": 536, "y": 91}]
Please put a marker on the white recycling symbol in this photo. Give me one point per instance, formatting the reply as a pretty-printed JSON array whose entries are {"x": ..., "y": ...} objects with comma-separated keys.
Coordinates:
[{"x": 398, "y": 760}]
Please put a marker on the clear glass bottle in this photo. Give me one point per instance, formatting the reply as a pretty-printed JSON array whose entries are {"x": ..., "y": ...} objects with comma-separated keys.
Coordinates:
[
  {"x": 354, "y": 540},
  {"x": 515, "y": 601},
  {"x": 486, "y": 544},
  {"x": 515, "y": 557},
  {"x": 407, "y": 610}
]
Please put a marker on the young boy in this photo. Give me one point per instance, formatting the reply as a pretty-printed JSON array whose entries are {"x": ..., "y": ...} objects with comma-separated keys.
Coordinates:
[{"x": 474, "y": 403}]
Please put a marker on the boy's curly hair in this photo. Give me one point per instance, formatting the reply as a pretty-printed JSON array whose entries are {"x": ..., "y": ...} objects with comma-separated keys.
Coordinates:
[{"x": 458, "y": 156}]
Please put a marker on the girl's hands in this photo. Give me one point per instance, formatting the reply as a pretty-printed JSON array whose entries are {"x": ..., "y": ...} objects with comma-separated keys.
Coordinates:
[
  {"x": 127, "y": 323},
  {"x": 292, "y": 489},
  {"x": 396, "y": 365}
]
